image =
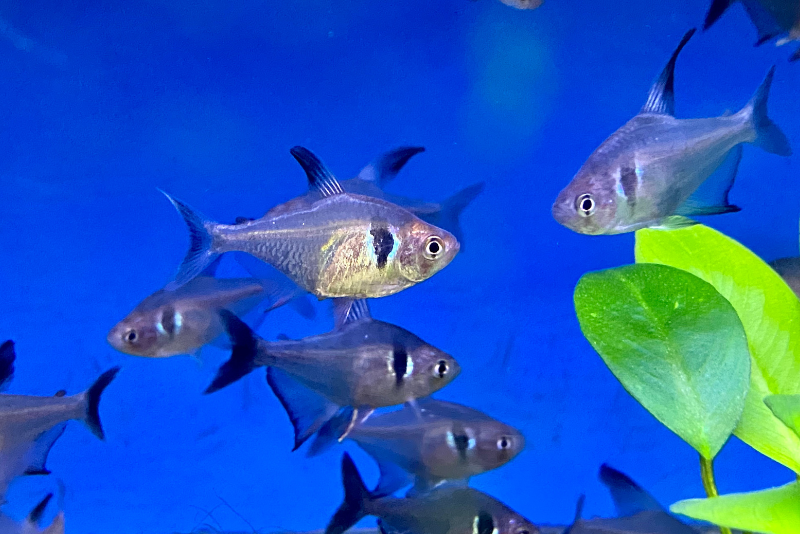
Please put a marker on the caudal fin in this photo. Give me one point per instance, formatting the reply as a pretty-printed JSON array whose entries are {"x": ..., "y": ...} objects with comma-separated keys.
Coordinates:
[
  {"x": 768, "y": 136},
  {"x": 243, "y": 352},
  {"x": 93, "y": 394},
  {"x": 454, "y": 205},
  {"x": 356, "y": 496},
  {"x": 200, "y": 253}
]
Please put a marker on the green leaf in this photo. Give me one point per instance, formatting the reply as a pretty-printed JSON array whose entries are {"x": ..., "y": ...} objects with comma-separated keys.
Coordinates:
[
  {"x": 674, "y": 343},
  {"x": 772, "y": 511},
  {"x": 769, "y": 311},
  {"x": 787, "y": 409}
]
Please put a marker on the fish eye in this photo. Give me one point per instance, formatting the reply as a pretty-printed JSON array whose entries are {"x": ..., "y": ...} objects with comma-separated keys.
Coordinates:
[
  {"x": 441, "y": 369},
  {"x": 585, "y": 205},
  {"x": 434, "y": 246},
  {"x": 504, "y": 443},
  {"x": 130, "y": 336}
]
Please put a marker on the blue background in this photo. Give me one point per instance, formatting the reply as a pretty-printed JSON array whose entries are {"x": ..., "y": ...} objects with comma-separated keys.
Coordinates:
[{"x": 103, "y": 102}]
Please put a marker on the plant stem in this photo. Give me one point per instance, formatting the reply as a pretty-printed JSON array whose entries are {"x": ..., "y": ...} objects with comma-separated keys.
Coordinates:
[{"x": 707, "y": 474}]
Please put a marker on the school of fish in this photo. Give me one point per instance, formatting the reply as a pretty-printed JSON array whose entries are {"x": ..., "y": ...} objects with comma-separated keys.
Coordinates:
[{"x": 371, "y": 381}]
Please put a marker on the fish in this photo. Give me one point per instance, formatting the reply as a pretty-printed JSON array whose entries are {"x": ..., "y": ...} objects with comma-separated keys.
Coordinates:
[
  {"x": 772, "y": 18},
  {"x": 789, "y": 269},
  {"x": 29, "y": 425},
  {"x": 657, "y": 170},
  {"x": 30, "y": 525},
  {"x": 371, "y": 182},
  {"x": 181, "y": 321},
  {"x": 331, "y": 382},
  {"x": 444, "y": 510},
  {"x": 638, "y": 512},
  {"x": 432, "y": 442},
  {"x": 343, "y": 245},
  {"x": 523, "y": 4}
]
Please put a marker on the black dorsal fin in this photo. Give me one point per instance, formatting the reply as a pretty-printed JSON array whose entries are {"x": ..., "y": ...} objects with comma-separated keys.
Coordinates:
[
  {"x": 37, "y": 513},
  {"x": 319, "y": 177},
  {"x": 661, "y": 99},
  {"x": 7, "y": 357},
  {"x": 347, "y": 311}
]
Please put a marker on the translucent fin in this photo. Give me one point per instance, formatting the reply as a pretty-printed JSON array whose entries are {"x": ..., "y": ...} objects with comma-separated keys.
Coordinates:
[
  {"x": 578, "y": 514},
  {"x": 356, "y": 495},
  {"x": 328, "y": 435},
  {"x": 765, "y": 23},
  {"x": 661, "y": 99},
  {"x": 319, "y": 177},
  {"x": 384, "y": 169},
  {"x": 449, "y": 217},
  {"x": 284, "y": 290},
  {"x": 41, "y": 448},
  {"x": 7, "y": 357},
  {"x": 92, "y": 395},
  {"x": 36, "y": 514},
  {"x": 674, "y": 222},
  {"x": 200, "y": 253},
  {"x": 718, "y": 7},
  {"x": 211, "y": 269},
  {"x": 244, "y": 347},
  {"x": 711, "y": 198},
  {"x": 768, "y": 136},
  {"x": 307, "y": 410},
  {"x": 795, "y": 56},
  {"x": 629, "y": 498},
  {"x": 347, "y": 311},
  {"x": 392, "y": 478}
]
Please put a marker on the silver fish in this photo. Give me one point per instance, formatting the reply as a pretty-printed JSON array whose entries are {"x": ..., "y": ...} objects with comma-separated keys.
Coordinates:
[
  {"x": 789, "y": 269},
  {"x": 30, "y": 525},
  {"x": 29, "y": 426},
  {"x": 523, "y": 4},
  {"x": 638, "y": 511},
  {"x": 371, "y": 182},
  {"x": 344, "y": 245},
  {"x": 168, "y": 323},
  {"x": 656, "y": 169},
  {"x": 434, "y": 441},
  {"x": 772, "y": 18},
  {"x": 444, "y": 510},
  {"x": 361, "y": 365}
]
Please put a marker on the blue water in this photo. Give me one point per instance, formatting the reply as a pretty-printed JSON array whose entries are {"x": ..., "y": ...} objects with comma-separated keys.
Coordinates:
[{"x": 103, "y": 102}]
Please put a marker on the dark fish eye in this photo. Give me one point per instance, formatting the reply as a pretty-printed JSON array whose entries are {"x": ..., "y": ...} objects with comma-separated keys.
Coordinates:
[
  {"x": 131, "y": 336},
  {"x": 434, "y": 246},
  {"x": 504, "y": 443},
  {"x": 441, "y": 369},
  {"x": 585, "y": 205}
]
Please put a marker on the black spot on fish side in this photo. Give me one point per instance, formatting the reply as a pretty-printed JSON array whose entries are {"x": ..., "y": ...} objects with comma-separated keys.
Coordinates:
[
  {"x": 461, "y": 442},
  {"x": 399, "y": 363},
  {"x": 629, "y": 181},
  {"x": 485, "y": 523},
  {"x": 383, "y": 243},
  {"x": 168, "y": 321}
]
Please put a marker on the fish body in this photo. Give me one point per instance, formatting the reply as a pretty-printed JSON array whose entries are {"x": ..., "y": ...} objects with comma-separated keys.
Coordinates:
[
  {"x": 444, "y": 510},
  {"x": 29, "y": 425},
  {"x": 789, "y": 269},
  {"x": 772, "y": 18},
  {"x": 523, "y": 4},
  {"x": 362, "y": 364},
  {"x": 435, "y": 441},
  {"x": 371, "y": 181},
  {"x": 343, "y": 245},
  {"x": 168, "y": 323},
  {"x": 656, "y": 169}
]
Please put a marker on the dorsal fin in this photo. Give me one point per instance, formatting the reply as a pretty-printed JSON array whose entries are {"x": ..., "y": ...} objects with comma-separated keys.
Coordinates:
[
  {"x": 319, "y": 177},
  {"x": 629, "y": 498},
  {"x": 347, "y": 311},
  {"x": 578, "y": 513},
  {"x": 661, "y": 99},
  {"x": 7, "y": 357},
  {"x": 37, "y": 513},
  {"x": 385, "y": 168}
]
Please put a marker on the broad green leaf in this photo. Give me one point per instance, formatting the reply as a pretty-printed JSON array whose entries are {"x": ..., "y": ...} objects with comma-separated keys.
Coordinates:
[
  {"x": 674, "y": 343},
  {"x": 772, "y": 511},
  {"x": 787, "y": 409},
  {"x": 770, "y": 313}
]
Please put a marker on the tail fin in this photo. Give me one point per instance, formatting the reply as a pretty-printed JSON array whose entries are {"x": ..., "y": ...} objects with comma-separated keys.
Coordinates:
[
  {"x": 93, "y": 402},
  {"x": 200, "y": 253},
  {"x": 718, "y": 7},
  {"x": 356, "y": 496},
  {"x": 768, "y": 136},
  {"x": 243, "y": 352},
  {"x": 454, "y": 205}
]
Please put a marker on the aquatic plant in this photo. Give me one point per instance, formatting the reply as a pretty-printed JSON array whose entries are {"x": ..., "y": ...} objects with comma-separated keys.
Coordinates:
[{"x": 672, "y": 329}]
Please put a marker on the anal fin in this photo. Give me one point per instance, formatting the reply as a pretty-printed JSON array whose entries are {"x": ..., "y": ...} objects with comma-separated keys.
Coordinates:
[{"x": 711, "y": 198}]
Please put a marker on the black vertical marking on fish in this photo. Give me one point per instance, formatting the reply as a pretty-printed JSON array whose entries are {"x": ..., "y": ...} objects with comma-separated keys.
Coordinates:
[
  {"x": 399, "y": 364},
  {"x": 168, "y": 321},
  {"x": 462, "y": 445},
  {"x": 485, "y": 523},
  {"x": 629, "y": 180},
  {"x": 382, "y": 242}
]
